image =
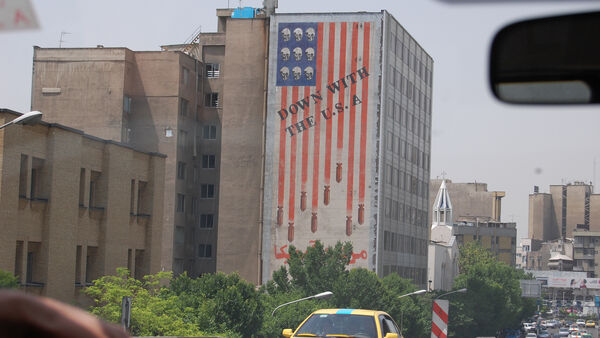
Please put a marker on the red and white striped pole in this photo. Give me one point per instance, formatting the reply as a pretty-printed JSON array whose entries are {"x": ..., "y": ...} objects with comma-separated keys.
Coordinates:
[{"x": 439, "y": 318}]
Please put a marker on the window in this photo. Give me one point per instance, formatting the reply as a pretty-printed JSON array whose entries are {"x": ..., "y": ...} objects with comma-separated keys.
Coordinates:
[
  {"x": 211, "y": 100},
  {"x": 185, "y": 76},
  {"x": 179, "y": 235},
  {"x": 97, "y": 193},
  {"x": 126, "y": 104},
  {"x": 204, "y": 250},
  {"x": 182, "y": 140},
  {"x": 181, "y": 170},
  {"x": 180, "y": 202},
  {"x": 194, "y": 210},
  {"x": 207, "y": 221},
  {"x": 38, "y": 180},
  {"x": 212, "y": 70},
  {"x": 144, "y": 201},
  {"x": 209, "y": 132},
  {"x": 183, "y": 107},
  {"x": 207, "y": 191},
  {"x": 208, "y": 161},
  {"x": 23, "y": 176}
]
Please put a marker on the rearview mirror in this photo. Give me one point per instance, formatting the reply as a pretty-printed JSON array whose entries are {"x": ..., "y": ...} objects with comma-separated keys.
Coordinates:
[
  {"x": 287, "y": 333},
  {"x": 552, "y": 60}
]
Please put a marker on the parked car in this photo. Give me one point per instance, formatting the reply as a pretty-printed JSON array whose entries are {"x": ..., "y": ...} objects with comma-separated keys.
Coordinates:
[{"x": 346, "y": 322}]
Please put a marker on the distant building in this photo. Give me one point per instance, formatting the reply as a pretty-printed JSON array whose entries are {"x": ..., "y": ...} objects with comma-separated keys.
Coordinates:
[
  {"x": 443, "y": 252},
  {"x": 74, "y": 207},
  {"x": 472, "y": 202},
  {"x": 586, "y": 252},
  {"x": 560, "y": 251},
  {"x": 498, "y": 237},
  {"x": 526, "y": 246},
  {"x": 565, "y": 209}
]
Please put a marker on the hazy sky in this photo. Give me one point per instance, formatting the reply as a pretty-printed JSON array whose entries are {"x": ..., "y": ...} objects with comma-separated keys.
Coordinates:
[{"x": 475, "y": 138}]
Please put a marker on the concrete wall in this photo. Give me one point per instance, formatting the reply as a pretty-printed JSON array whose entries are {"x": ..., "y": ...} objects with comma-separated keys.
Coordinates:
[
  {"x": 241, "y": 148},
  {"x": 542, "y": 221},
  {"x": 54, "y": 223},
  {"x": 470, "y": 201}
]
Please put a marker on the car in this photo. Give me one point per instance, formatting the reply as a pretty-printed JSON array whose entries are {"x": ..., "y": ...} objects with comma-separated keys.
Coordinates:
[
  {"x": 563, "y": 332},
  {"x": 573, "y": 328},
  {"x": 590, "y": 323},
  {"x": 544, "y": 334},
  {"x": 531, "y": 335},
  {"x": 580, "y": 322},
  {"x": 346, "y": 322},
  {"x": 529, "y": 327},
  {"x": 552, "y": 324}
]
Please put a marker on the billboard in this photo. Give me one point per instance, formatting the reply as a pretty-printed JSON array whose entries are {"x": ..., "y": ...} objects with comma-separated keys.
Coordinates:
[
  {"x": 574, "y": 283},
  {"x": 322, "y": 134}
]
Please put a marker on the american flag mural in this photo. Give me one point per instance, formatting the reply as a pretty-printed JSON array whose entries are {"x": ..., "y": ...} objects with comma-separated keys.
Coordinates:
[{"x": 322, "y": 126}]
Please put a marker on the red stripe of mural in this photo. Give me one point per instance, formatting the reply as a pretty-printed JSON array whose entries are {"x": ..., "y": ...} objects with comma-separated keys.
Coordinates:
[
  {"x": 340, "y": 117},
  {"x": 293, "y": 151},
  {"x": 330, "y": 67},
  {"x": 351, "y": 132},
  {"x": 305, "y": 135},
  {"x": 364, "y": 115},
  {"x": 281, "y": 174},
  {"x": 317, "y": 131}
]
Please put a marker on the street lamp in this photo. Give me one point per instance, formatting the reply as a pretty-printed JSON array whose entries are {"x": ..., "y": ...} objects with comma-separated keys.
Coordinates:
[
  {"x": 30, "y": 118},
  {"x": 322, "y": 295},
  {"x": 463, "y": 290},
  {"x": 418, "y": 292}
]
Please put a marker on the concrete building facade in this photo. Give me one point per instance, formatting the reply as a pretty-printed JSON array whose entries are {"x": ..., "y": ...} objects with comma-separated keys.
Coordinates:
[
  {"x": 563, "y": 210},
  {"x": 498, "y": 237},
  {"x": 472, "y": 202},
  {"x": 155, "y": 102},
  {"x": 74, "y": 207},
  {"x": 586, "y": 252}
]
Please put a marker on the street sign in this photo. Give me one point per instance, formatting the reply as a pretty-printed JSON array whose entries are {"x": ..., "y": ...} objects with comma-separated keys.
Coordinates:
[
  {"x": 439, "y": 318},
  {"x": 531, "y": 288},
  {"x": 17, "y": 15}
]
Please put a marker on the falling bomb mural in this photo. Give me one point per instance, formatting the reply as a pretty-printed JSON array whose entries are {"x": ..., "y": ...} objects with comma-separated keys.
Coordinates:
[{"x": 322, "y": 129}]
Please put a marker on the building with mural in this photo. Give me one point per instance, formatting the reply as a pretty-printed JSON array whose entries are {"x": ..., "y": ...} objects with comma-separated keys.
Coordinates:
[{"x": 347, "y": 141}]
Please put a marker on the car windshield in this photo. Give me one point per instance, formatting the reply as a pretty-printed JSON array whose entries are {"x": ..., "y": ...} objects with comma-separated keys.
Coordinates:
[{"x": 331, "y": 325}]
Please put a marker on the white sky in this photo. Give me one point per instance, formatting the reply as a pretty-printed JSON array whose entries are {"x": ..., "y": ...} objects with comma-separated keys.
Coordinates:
[{"x": 475, "y": 138}]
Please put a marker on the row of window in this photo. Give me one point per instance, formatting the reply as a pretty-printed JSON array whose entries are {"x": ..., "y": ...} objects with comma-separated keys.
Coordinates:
[
  {"x": 404, "y": 243},
  {"x": 405, "y": 181},
  {"x": 409, "y": 89},
  {"x": 407, "y": 151},
  {"x": 209, "y": 132},
  {"x": 397, "y": 112},
  {"x": 410, "y": 58},
  {"x": 208, "y": 162},
  {"x": 211, "y": 71},
  {"x": 207, "y": 191},
  {"x": 399, "y": 211}
]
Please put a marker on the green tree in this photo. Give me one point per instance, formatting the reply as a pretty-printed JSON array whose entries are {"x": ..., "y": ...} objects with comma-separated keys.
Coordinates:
[
  {"x": 219, "y": 303},
  {"x": 493, "y": 300},
  {"x": 8, "y": 280},
  {"x": 153, "y": 311}
]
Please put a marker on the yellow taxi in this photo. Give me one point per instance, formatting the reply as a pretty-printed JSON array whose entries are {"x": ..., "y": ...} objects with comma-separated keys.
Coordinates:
[
  {"x": 590, "y": 323},
  {"x": 346, "y": 323}
]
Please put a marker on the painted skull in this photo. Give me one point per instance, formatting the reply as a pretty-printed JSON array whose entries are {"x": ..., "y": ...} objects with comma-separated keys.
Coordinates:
[
  {"x": 285, "y": 34},
  {"x": 297, "y": 72},
  {"x": 310, "y": 34},
  {"x": 308, "y": 73},
  {"x": 285, "y": 54},
  {"x": 298, "y": 34},
  {"x": 297, "y": 53},
  {"x": 310, "y": 53},
  {"x": 285, "y": 73}
]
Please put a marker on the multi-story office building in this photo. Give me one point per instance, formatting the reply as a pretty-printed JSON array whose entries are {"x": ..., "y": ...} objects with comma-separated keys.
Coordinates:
[
  {"x": 471, "y": 202},
  {"x": 498, "y": 237},
  {"x": 74, "y": 207},
  {"x": 566, "y": 208},
  {"x": 162, "y": 101},
  {"x": 586, "y": 252}
]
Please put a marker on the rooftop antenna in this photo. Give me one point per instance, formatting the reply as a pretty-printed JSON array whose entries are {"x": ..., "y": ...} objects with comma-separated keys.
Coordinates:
[{"x": 62, "y": 34}]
